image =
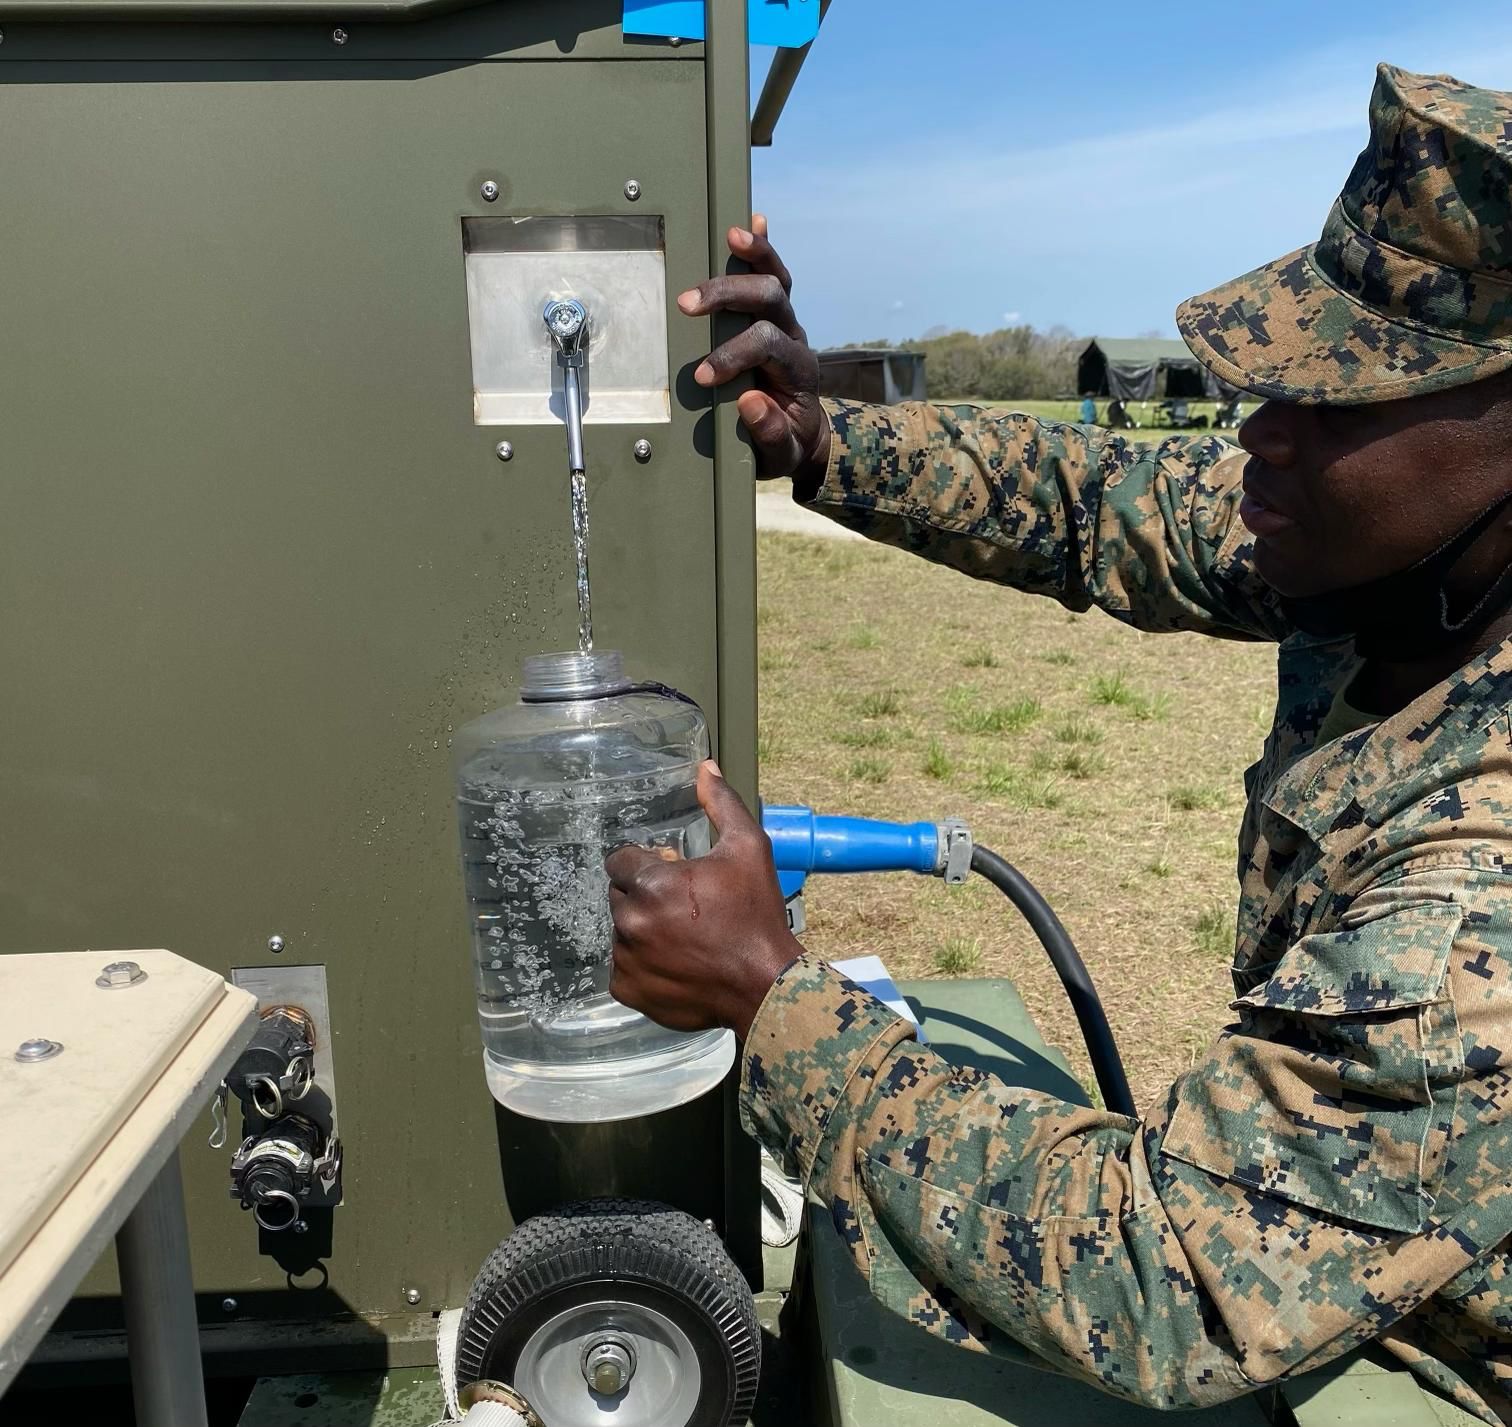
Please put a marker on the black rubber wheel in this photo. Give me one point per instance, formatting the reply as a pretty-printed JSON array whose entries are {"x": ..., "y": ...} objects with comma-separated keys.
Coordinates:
[{"x": 652, "y": 1283}]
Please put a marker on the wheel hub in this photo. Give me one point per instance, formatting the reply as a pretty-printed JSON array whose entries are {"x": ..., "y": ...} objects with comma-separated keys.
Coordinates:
[
  {"x": 609, "y": 1365},
  {"x": 610, "y": 1355}
]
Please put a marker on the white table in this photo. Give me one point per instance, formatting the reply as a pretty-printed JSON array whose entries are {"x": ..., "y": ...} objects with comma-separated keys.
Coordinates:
[{"x": 91, "y": 1131}]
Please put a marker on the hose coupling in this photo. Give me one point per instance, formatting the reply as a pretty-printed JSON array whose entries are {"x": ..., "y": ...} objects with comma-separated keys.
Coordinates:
[{"x": 953, "y": 855}]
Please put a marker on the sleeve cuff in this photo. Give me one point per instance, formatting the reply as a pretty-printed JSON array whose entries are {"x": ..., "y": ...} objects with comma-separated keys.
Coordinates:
[
  {"x": 815, "y": 1031},
  {"x": 826, "y": 490},
  {"x": 877, "y": 458}
]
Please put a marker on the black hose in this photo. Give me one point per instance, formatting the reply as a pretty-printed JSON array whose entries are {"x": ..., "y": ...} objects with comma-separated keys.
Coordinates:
[{"x": 1107, "y": 1065}]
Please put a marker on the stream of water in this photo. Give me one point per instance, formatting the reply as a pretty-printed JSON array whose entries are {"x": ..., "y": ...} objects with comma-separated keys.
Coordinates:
[{"x": 580, "y": 550}]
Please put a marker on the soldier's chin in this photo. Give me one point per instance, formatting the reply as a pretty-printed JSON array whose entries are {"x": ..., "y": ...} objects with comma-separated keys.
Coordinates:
[{"x": 1289, "y": 571}]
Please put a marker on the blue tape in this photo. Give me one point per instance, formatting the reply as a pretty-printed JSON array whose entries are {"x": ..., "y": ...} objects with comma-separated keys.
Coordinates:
[{"x": 788, "y": 23}]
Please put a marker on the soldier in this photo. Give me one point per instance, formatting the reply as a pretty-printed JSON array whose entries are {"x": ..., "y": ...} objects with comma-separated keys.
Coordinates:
[{"x": 1337, "y": 1168}]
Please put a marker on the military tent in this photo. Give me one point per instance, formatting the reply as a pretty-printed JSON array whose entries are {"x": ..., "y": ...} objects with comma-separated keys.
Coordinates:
[{"x": 1141, "y": 368}]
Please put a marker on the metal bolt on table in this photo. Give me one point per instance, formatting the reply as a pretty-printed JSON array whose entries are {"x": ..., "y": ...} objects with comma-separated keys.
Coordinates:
[
  {"x": 38, "y": 1048},
  {"x": 120, "y": 973}
]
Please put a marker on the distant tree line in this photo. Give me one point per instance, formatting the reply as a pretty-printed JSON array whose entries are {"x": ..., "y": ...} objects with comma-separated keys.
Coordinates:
[{"x": 1005, "y": 365}]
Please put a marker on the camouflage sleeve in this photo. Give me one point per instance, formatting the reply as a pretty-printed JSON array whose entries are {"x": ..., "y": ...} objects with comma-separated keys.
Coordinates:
[
  {"x": 1336, "y": 1161},
  {"x": 1149, "y": 533}
]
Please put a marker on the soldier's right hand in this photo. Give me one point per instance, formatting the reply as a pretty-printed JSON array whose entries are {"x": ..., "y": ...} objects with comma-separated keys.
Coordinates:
[{"x": 782, "y": 412}]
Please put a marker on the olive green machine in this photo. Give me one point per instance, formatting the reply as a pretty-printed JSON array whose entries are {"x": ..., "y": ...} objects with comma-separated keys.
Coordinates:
[{"x": 274, "y": 522}]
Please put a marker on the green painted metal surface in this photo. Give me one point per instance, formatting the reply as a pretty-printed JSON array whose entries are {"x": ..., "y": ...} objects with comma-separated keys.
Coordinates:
[
  {"x": 727, "y": 107},
  {"x": 985, "y": 1024},
  {"x": 409, "y": 1397},
  {"x": 508, "y": 30},
  {"x": 258, "y": 562},
  {"x": 243, "y": 10},
  {"x": 1368, "y": 1390}
]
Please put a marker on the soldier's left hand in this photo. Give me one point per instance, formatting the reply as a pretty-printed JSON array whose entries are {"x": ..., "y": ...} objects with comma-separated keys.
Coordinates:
[{"x": 698, "y": 942}]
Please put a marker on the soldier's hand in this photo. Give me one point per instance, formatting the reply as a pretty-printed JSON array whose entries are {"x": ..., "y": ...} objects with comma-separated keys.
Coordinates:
[
  {"x": 698, "y": 942},
  {"x": 782, "y": 413}
]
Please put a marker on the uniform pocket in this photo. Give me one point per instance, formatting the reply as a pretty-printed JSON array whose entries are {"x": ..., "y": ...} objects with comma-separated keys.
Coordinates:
[{"x": 1327, "y": 1092}]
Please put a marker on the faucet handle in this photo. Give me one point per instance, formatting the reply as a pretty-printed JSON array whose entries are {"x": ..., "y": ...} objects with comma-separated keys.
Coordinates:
[{"x": 567, "y": 321}]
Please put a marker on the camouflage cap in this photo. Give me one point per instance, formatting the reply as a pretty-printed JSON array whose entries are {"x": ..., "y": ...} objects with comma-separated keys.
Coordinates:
[{"x": 1409, "y": 289}]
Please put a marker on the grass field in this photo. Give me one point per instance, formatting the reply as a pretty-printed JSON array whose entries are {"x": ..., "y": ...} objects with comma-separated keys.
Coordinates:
[
  {"x": 1141, "y": 411},
  {"x": 1106, "y": 763}
]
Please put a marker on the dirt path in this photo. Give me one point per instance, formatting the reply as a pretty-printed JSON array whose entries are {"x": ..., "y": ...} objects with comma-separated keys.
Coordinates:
[{"x": 777, "y": 510}]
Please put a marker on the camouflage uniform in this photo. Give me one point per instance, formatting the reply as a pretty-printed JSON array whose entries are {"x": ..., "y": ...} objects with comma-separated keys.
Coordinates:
[{"x": 1338, "y": 1166}]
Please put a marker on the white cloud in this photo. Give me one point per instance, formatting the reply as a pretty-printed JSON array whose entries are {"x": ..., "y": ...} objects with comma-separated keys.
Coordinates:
[{"x": 1012, "y": 317}]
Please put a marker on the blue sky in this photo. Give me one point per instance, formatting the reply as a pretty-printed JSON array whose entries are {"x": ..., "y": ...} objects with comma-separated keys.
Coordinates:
[{"x": 976, "y": 163}]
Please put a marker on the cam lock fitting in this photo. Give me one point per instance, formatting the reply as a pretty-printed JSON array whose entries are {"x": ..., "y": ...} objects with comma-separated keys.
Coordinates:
[
  {"x": 275, "y": 1171},
  {"x": 278, "y": 1066}
]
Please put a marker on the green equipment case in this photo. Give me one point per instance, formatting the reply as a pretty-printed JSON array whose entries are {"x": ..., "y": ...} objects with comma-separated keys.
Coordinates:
[{"x": 275, "y": 522}]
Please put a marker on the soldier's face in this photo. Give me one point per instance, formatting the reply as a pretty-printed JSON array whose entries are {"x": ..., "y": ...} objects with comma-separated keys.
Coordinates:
[{"x": 1338, "y": 496}]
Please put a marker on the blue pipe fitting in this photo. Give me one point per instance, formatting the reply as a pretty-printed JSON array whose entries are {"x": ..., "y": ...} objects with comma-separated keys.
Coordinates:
[{"x": 804, "y": 841}]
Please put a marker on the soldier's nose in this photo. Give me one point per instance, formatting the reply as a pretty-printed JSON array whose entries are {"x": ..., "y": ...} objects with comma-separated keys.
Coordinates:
[{"x": 1267, "y": 433}]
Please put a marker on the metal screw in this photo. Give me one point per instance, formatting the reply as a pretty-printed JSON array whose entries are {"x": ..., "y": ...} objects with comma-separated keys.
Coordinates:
[
  {"x": 411, "y": 1295},
  {"x": 490, "y": 191},
  {"x": 2, "y": 37},
  {"x": 339, "y": 36},
  {"x": 642, "y": 449},
  {"x": 38, "y": 1049},
  {"x": 228, "y": 1305},
  {"x": 674, "y": 40},
  {"x": 275, "y": 943},
  {"x": 300, "y": 1227},
  {"x": 504, "y": 450},
  {"x": 120, "y": 973},
  {"x": 632, "y": 189}
]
